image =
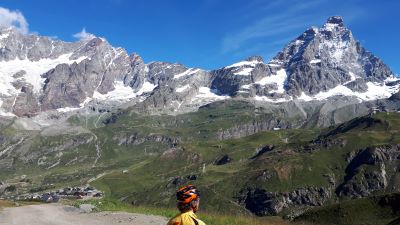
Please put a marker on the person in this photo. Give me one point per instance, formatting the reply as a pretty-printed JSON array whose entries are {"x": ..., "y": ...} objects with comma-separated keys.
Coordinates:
[{"x": 188, "y": 204}]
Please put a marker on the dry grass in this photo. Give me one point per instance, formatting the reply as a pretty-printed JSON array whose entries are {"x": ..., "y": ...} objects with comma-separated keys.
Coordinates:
[{"x": 5, "y": 204}]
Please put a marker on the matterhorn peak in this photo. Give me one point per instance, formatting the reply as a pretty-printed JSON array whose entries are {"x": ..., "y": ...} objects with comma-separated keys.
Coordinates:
[
  {"x": 5, "y": 32},
  {"x": 6, "y": 29},
  {"x": 254, "y": 58},
  {"x": 334, "y": 23},
  {"x": 335, "y": 20}
]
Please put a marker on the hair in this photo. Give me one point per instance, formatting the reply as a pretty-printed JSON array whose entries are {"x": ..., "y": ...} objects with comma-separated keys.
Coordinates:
[{"x": 186, "y": 207}]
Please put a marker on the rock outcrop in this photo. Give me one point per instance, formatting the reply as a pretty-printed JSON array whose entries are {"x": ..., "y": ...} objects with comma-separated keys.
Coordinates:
[
  {"x": 264, "y": 203},
  {"x": 223, "y": 160},
  {"x": 136, "y": 139},
  {"x": 366, "y": 172}
]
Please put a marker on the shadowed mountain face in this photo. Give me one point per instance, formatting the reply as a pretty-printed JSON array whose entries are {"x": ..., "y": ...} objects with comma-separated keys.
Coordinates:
[{"x": 40, "y": 74}]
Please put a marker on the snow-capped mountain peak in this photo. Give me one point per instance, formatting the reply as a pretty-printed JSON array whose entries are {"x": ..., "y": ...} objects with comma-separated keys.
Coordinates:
[
  {"x": 40, "y": 74},
  {"x": 320, "y": 63},
  {"x": 334, "y": 21}
]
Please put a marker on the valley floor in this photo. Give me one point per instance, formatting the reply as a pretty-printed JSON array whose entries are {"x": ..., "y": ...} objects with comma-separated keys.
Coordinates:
[{"x": 57, "y": 214}]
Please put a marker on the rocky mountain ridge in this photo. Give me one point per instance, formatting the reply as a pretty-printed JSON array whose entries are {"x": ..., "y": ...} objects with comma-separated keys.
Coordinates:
[{"x": 42, "y": 77}]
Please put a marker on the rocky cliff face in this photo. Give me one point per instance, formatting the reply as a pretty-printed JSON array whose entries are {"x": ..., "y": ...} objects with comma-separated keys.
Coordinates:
[
  {"x": 50, "y": 74},
  {"x": 264, "y": 203},
  {"x": 369, "y": 171},
  {"x": 70, "y": 85},
  {"x": 247, "y": 129},
  {"x": 15, "y": 45},
  {"x": 136, "y": 139}
]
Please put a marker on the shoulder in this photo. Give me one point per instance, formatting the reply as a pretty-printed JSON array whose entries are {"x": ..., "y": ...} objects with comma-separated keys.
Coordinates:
[
  {"x": 176, "y": 220},
  {"x": 200, "y": 222},
  {"x": 191, "y": 218}
]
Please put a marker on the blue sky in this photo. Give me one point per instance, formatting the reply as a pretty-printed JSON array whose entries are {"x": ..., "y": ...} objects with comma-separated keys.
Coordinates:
[{"x": 210, "y": 33}]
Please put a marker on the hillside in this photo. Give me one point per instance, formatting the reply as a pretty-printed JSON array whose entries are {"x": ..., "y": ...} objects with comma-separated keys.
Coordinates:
[
  {"x": 270, "y": 172},
  {"x": 383, "y": 209},
  {"x": 222, "y": 149}
]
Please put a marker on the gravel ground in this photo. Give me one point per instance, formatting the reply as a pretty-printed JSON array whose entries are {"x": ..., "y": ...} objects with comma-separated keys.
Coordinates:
[{"x": 57, "y": 214}]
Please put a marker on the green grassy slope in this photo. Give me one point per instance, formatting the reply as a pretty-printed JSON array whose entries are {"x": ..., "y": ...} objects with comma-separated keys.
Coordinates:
[
  {"x": 368, "y": 211},
  {"x": 290, "y": 167},
  {"x": 163, "y": 152}
]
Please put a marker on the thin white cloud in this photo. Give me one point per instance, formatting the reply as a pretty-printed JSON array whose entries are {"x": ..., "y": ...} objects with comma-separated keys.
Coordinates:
[
  {"x": 15, "y": 19},
  {"x": 83, "y": 35},
  {"x": 288, "y": 19},
  {"x": 262, "y": 29},
  {"x": 274, "y": 20}
]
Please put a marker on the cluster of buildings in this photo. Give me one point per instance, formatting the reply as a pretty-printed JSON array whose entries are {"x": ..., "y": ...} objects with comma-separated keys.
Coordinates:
[{"x": 67, "y": 193}]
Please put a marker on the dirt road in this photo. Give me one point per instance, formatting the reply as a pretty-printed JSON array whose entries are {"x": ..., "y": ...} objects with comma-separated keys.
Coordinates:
[{"x": 56, "y": 214}]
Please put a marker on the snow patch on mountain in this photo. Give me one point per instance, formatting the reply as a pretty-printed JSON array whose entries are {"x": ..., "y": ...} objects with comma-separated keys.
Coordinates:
[
  {"x": 252, "y": 63},
  {"x": 66, "y": 109},
  {"x": 4, "y": 36},
  {"x": 33, "y": 71},
  {"x": 353, "y": 77},
  {"x": 375, "y": 91},
  {"x": 279, "y": 79},
  {"x": 273, "y": 64},
  {"x": 392, "y": 79},
  {"x": 81, "y": 106},
  {"x": 186, "y": 73},
  {"x": 123, "y": 92},
  {"x": 336, "y": 48},
  {"x": 206, "y": 94},
  {"x": 315, "y": 61},
  {"x": 246, "y": 87},
  {"x": 244, "y": 71},
  {"x": 182, "y": 89},
  {"x": 243, "y": 68},
  {"x": 87, "y": 100},
  {"x": 330, "y": 26},
  {"x": 146, "y": 87},
  {"x": 274, "y": 100}
]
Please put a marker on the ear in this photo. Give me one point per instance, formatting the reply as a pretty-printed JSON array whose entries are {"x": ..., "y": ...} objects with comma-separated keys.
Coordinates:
[{"x": 195, "y": 205}]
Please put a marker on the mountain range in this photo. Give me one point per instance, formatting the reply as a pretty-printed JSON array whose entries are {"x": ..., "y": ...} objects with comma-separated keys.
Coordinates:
[
  {"x": 44, "y": 79},
  {"x": 298, "y": 137}
]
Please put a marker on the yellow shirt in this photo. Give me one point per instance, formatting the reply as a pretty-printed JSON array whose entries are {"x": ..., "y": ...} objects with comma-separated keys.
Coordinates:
[{"x": 187, "y": 218}]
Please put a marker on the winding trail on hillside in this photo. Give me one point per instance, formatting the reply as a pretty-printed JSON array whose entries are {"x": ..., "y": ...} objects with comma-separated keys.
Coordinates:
[
  {"x": 98, "y": 150},
  {"x": 11, "y": 147},
  {"x": 98, "y": 119},
  {"x": 57, "y": 214}
]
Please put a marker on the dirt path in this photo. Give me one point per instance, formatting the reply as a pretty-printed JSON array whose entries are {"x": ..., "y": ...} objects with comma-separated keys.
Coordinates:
[
  {"x": 56, "y": 214},
  {"x": 98, "y": 150}
]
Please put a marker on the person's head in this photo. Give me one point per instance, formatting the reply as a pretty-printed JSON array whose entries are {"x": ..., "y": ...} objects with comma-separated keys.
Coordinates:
[{"x": 188, "y": 198}]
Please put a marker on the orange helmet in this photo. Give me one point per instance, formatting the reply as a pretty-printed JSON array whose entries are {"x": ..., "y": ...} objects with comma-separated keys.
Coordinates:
[{"x": 187, "y": 194}]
